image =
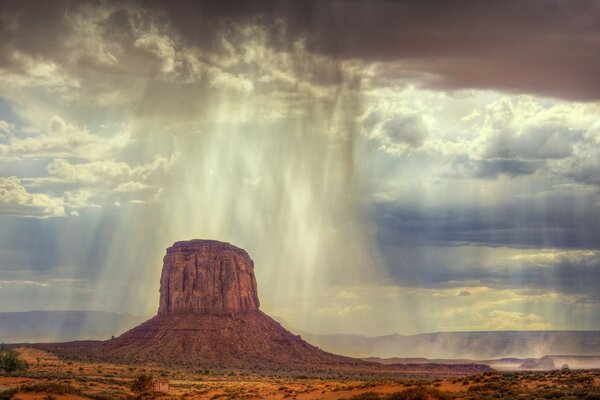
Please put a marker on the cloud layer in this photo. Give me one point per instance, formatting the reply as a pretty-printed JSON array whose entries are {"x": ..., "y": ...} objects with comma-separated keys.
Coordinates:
[{"x": 369, "y": 154}]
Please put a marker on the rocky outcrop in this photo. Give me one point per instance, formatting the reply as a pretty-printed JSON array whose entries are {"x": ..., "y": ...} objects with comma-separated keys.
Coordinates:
[
  {"x": 545, "y": 363},
  {"x": 209, "y": 317},
  {"x": 207, "y": 277}
]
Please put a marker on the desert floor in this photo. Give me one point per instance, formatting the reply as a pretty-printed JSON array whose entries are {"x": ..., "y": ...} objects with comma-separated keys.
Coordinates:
[{"x": 51, "y": 378}]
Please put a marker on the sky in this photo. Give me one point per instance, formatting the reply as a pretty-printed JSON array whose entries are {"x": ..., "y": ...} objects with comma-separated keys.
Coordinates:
[{"x": 408, "y": 166}]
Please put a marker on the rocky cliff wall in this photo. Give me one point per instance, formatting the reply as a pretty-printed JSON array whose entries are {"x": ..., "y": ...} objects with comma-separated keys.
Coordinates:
[{"x": 207, "y": 277}]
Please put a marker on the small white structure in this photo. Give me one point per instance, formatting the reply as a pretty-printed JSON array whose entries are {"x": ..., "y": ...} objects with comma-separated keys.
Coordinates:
[{"x": 161, "y": 385}]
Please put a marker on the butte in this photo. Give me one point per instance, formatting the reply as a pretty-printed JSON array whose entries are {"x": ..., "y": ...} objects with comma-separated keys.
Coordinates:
[{"x": 209, "y": 316}]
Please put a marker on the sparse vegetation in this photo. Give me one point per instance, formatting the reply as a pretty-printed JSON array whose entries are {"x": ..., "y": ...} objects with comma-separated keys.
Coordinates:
[
  {"x": 50, "y": 388},
  {"x": 10, "y": 361},
  {"x": 48, "y": 378},
  {"x": 366, "y": 396},
  {"x": 415, "y": 393},
  {"x": 8, "y": 394},
  {"x": 142, "y": 383}
]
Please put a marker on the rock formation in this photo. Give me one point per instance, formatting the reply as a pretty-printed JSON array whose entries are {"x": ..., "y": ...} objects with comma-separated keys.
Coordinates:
[
  {"x": 209, "y": 317},
  {"x": 207, "y": 277},
  {"x": 545, "y": 363}
]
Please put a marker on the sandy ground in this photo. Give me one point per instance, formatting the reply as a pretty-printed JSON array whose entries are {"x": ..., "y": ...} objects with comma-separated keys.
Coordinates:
[{"x": 112, "y": 381}]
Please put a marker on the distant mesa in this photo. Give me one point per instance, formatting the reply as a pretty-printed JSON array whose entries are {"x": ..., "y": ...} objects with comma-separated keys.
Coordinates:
[
  {"x": 209, "y": 317},
  {"x": 545, "y": 363}
]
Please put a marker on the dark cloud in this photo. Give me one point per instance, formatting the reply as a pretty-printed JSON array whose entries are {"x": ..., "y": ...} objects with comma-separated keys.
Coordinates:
[
  {"x": 543, "y": 47},
  {"x": 492, "y": 169},
  {"x": 447, "y": 247},
  {"x": 585, "y": 170},
  {"x": 465, "y": 167},
  {"x": 547, "y": 47},
  {"x": 540, "y": 142},
  {"x": 409, "y": 131},
  {"x": 34, "y": 28},
  {"x": 32, "y": 246},
  {"x": 566, "y": 222},
  {"x": 448, "y": 267},
  {"x": 394, "y": 132}
]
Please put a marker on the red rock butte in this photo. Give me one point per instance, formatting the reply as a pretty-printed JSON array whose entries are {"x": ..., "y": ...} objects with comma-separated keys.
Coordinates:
[
  {"x": 209, "y": 317},
  {"x": 207, "y": 277}
]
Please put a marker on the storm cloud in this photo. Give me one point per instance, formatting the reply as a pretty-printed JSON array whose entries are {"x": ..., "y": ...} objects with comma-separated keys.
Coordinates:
[{"x": 547, "y": 48}]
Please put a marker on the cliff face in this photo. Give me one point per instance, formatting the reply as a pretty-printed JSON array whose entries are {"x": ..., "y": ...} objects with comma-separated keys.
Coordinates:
[{"x": 207, "y": 277}]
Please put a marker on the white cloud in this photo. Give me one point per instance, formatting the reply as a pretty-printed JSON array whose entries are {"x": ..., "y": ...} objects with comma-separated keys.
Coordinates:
[
  {"x": 395, "y": 133},
  {"x": 5, "y": 127},
  {"x": 101, "y": 171},
  {"x": 6, "y": 130},
  {"x": 347, "y": 295},
  {"x": 16, "y": 200},
  {"x": 24, "y": 282},
  {"x": 514, "y": 320},
  {"x": 62, "y": 139},
  {"x": 95, "y": 183},
  {"x": 554, "y": 257},
  {"x": 486, "y": 125},
  {"x": 342, "y": 311},
  {"x": 557, "y": 137},
  {"x": 227, "y": 81},
  {"x": 79, "y": 198},
  {"x": 43, "y": 282},
  {"x": 110, "y": 173},
  {"x": 523, "y": 128},
  {"x": 35, "y": 73},
  {"x": 132, "y": 186},
  {"x": 160, "y": 46}
]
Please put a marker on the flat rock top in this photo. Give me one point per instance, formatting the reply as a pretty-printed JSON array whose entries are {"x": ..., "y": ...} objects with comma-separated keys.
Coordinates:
[{"x": 195, "y": 244}]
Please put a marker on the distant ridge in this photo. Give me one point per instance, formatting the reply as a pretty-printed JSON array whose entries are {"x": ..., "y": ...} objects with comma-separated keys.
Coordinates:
[
  {"x": 478, "y": 345},
  {"x": 63, "y": 325},
  {"x": 67, "y": 325}
]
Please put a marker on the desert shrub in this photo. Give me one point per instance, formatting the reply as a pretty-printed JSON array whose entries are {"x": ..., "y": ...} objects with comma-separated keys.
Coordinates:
[
  {"x": 10, "y": 361},
  {"x": 107, "y": 395},
  {"x": 417, "y": 393},
  {"x": 50, "y": 388},
  {"x": 142, "y": 383},
  {"x": 366, "y": 396},
  {"x": 8, "y": 394}
]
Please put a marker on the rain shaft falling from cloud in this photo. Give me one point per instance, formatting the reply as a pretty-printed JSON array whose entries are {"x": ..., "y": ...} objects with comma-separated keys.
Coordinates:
[
  {"x": 149, "y": 127},
  {"x": 253, "y": 152}
]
